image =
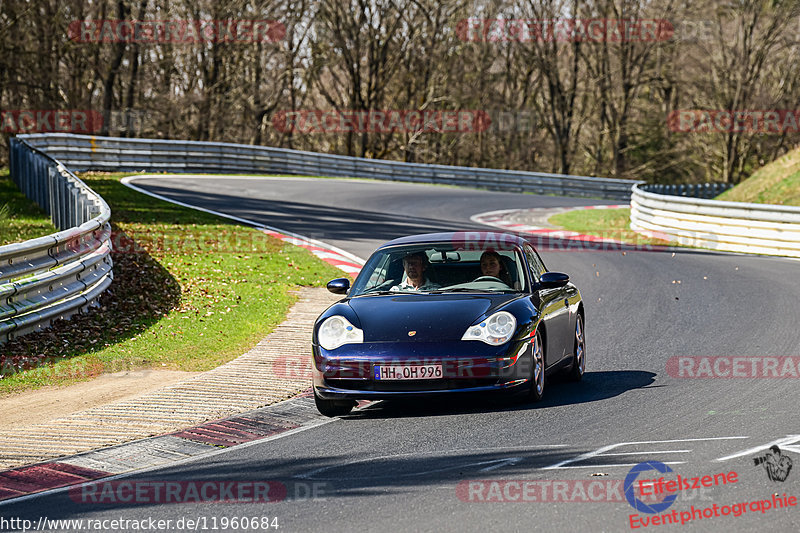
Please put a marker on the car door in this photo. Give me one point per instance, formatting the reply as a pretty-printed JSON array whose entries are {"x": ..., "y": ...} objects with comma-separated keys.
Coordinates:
[{"x": 555, "y": 311}]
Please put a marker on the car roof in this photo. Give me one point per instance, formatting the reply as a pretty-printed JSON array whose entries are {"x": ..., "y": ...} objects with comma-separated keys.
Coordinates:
[{"x": 487, "y": 239}]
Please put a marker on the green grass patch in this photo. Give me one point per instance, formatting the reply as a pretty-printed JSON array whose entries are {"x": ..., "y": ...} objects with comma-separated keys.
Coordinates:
[
  {"x": 191, "y": 292},
  {"x": 606, "y": 223},
  {"x": 777, "y": 183},
  {"x": 20, "y": 218}
]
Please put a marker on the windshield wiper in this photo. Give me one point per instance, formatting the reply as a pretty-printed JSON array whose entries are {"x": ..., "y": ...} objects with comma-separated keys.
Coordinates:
[
  {"x": 378, "y": 293},
  {"x": 469, "y": 289},
  {"x": 458, "y": 289}
]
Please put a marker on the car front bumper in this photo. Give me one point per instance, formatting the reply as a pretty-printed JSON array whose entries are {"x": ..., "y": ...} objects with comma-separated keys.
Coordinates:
[{"x": 477, "y": 368}]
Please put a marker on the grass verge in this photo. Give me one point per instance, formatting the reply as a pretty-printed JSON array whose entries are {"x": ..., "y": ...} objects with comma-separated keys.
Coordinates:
[
  {"x": 20, "y": 218},
  {"x": 191, "y": 292},
  {"x": 606, "y": 223},
  {"x": 776, "y": 183}
]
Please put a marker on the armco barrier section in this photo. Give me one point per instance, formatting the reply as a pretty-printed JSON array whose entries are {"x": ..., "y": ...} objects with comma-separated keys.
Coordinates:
[
  {"x": 64, "y": 273},
  {"x": 85, "y": 152},
  {"x": 695, "y": 190},
  {"x": 726, "y": 226}
]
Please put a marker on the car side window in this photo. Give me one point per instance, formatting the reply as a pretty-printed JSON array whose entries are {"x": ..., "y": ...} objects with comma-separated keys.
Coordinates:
[
  {"x": 539, "y": 263},
  {"x": 534, "y": 263}
]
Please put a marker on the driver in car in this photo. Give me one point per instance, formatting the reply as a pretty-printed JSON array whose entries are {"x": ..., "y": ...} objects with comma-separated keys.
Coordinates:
[{"x": 415, "y": 266}]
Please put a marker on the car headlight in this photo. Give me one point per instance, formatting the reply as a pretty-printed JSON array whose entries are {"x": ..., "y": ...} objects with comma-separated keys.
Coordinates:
[
  {"x": 337, "y": 330},
  {"x": 495, "y": 330}
]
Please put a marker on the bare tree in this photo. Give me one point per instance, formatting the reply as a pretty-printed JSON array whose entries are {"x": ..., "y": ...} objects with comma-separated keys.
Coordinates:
[{"x": 582, "y": 106}]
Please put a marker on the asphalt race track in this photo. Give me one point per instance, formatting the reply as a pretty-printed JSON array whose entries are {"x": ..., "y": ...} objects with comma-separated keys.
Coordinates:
[{"x": 426, "y": 466}]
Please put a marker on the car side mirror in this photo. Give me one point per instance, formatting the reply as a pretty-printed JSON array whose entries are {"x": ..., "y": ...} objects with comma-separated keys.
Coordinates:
[
  {"x": 339, "y": 285},
  {"x": 553, "y": 280}
]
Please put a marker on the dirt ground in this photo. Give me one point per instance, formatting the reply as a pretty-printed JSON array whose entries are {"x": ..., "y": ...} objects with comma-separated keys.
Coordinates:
[{"x": 48, "y": 403}]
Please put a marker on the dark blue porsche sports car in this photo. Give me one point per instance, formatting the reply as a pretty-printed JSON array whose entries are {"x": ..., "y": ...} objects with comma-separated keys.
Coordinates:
[{"x": 446, "y": 313}]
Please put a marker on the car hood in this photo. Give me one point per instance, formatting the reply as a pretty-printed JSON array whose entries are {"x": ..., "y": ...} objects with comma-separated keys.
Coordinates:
[{"x": 432, "y": 317}]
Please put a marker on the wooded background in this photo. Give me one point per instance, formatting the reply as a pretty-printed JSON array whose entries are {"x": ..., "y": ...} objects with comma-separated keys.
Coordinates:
[{"x": 586, "y": 108}]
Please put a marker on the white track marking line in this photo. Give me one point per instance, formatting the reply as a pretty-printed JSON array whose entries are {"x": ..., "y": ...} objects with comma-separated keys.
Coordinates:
[
  {"x": 601, "y": 451},
  {"x": 489, "y": 214},
  {"x": 288, "y": 177},
  {"x": 583, "y": 456},
  {"x": 499, "y": 464},
  {"x": 782, "y": 443},
  {"x": 618, "y": 464},
  {"x": 646, "y": 453},
  {"x": 310, "y": 474},
  {"x": 128, "y": 183}
]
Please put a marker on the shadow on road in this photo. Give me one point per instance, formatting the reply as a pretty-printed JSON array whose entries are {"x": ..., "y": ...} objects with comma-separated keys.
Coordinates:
[
  {"x": 311, "y": 219},
  {"x": 345, "y": 222},
  {"x": 595, "y": 386}
]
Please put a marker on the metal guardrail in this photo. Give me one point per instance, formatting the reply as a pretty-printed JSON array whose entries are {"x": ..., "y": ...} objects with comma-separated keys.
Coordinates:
[
  {"x": 695, "y": 190},
  {"x": 61, "y": 274},
  {"x": 84, "y": 152},
  {"x": 64, "y": 273},
  {"x": 726, "y": 226}
]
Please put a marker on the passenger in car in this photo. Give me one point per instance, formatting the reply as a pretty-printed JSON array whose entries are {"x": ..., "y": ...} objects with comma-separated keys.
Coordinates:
[{"x": 492, "y": 265}]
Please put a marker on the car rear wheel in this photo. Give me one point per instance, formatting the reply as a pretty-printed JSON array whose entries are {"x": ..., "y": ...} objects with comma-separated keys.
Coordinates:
[
  {"x": 333, "y": 408},
  {"x": 579, "y": 354},
  {"x": 537, "y": 372}
]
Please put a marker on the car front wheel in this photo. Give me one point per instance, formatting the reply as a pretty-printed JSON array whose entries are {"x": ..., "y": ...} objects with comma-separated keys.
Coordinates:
[{"x": 333, "y": 408}]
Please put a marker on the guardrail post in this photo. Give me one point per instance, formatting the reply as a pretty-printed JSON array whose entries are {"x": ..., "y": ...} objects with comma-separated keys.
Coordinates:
[{"x": 55, "y": 192}]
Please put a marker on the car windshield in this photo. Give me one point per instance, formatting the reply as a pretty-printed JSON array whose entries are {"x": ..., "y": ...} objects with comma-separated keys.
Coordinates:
[{"x": 441, "y": 267}]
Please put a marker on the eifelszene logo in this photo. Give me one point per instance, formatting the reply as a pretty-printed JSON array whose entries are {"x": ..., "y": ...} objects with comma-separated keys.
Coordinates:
[
  {"x": 776, "y": 464},
  {"x": 630, "y": 483}
]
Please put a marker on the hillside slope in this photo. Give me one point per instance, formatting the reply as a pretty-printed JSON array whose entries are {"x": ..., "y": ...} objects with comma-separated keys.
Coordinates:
[{"x": 777, "y": 182}]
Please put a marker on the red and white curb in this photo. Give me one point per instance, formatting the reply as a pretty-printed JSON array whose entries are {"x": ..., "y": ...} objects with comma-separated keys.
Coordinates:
[
  {"x": 502, "y": 219},
  {"x": 341, "y": 259},
  {"x": 333, "y": 256},
  {"x": 203, "y": 441}
]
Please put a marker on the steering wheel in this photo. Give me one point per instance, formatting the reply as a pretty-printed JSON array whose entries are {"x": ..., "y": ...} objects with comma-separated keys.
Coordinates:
[{"x": 488, "y": 278}]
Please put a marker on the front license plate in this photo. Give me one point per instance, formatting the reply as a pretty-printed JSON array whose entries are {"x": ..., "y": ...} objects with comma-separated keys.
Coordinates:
[{"x": 396, "y": 372}]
